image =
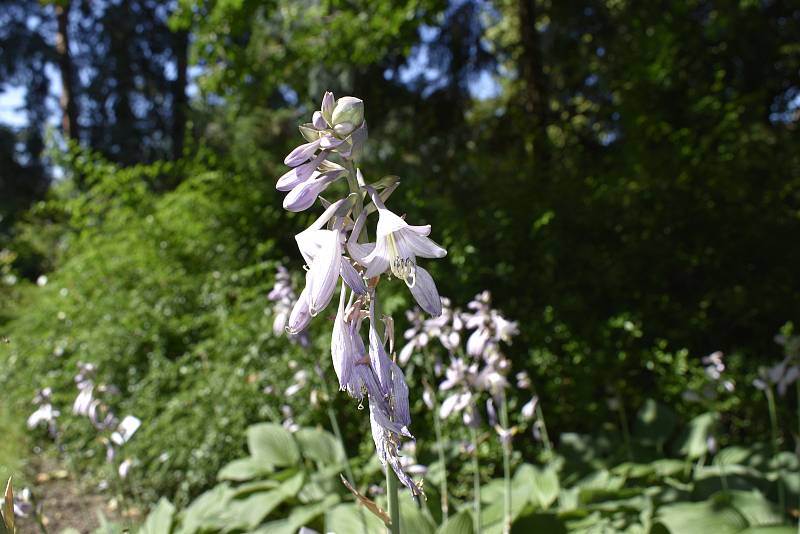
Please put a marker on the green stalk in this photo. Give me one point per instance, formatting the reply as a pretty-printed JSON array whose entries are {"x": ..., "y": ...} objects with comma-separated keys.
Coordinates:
[
  {"x": 355, "y": 187},
  {"x": 437, "y": 427},
  {"x": 545, "y": 436},
  {"x": 506, "y": 466},
  {"x": 476, "y": 481},
  {"x": 623, "y": 423},
  {"x": 338, "y": 433},
  {"x": 394, "y": 505},
  {"x": 773, "y": 423}
]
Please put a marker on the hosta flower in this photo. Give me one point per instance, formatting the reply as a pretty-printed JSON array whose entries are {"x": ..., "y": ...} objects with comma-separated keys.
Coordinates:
[
  {"x": 322, "y": 250},
  {"x": 45, "y": 413},
  {"x": 282, "y": 294},
  {"x": 529, "y": 409},
  {"x": 126, "y": 429},
  {"x": 396, "y": 248}
]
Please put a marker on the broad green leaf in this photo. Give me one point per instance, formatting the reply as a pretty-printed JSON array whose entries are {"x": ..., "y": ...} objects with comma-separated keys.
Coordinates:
[
  {"x": 412, "y": 518},
  {"x": 159, "y": 521},
  {"x": 257, "y": 485},
  {"x": 755, "y": 508},
  {"x": 272, "y": 444},
  {"x": 694, "y": 440},
  {"x": 654, "y": 423},
  {"x": 732, "y": 455},
  {"x": 248, "y": 513},
  {"x": 700, "y": 517},
  {"x": 320, "y": 446},
  {"x": 782, "y": 529},
  {"x": 545, "y": 486},
  {"x": 299, "y": 517},
  {"x": 206, "y": 511},
  {"x": 461, "y": 523},
  {"x": 349, "y": 518},
  {"x": 244, "y": 469}
]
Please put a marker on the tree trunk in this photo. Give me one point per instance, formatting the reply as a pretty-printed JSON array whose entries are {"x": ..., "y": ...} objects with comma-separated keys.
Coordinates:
[
  {"x": 179, "y": 99},
  {"x": 69, "y": 107},
  {"x": 534, "y": 92}
]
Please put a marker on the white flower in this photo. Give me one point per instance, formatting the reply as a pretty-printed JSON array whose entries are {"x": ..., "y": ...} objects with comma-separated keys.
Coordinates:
[{"x": 126, "y": 429}]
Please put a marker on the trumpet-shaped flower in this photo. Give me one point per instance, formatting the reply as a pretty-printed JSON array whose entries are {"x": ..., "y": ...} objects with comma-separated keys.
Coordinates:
[{"x": 396, "y": 249}]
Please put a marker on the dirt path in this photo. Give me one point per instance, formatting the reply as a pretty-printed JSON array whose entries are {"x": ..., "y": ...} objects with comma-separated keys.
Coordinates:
[{"x": 67, "y": 502}]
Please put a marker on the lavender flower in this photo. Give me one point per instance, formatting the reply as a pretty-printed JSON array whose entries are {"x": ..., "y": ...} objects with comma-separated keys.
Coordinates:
[
  {"x": 283, "y": 296},
  {"x": 334, "y": 247}
]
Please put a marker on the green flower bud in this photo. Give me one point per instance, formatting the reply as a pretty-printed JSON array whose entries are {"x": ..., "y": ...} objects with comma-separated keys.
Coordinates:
[{"x": 348, "y": 109}]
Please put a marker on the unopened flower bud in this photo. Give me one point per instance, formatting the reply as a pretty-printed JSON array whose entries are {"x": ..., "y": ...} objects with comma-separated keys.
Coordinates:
[{"x": 347, "y": 115}]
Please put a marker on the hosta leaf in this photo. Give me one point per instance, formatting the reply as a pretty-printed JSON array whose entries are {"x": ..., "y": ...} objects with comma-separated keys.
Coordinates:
[
  {"x": 299, "y": 517},
  {"x": 755, "y": 508},
  {"x": 159, "y": 521},
  {"x": 350, "y": 518},
  {"x": 320, "y": 446},
  {"x": 412, "y": 518},
  {"x": 244, "y": 469},
  {"x": 783, "y": 529},
  {"x": 206, "y": 511},
  {"x": 700, "y": 517},
  {"x": 247, "y": 513},
  {"x": 272, "y": 444},
  {"x": 694, "y": 440},
  {"x": 461, "y": 523}
]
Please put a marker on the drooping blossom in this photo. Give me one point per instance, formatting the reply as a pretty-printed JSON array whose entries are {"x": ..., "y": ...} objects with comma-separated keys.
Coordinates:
[
  {"x": 335, "y": 247},
  {"x": 284, "y": 299}
]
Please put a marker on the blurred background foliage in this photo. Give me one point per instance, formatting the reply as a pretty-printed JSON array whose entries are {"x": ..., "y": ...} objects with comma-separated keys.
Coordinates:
[{"x": 623, "y": 176}]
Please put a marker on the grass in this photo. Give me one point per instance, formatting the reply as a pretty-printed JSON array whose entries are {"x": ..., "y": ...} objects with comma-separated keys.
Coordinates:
[{"x": 13, "y": 447}]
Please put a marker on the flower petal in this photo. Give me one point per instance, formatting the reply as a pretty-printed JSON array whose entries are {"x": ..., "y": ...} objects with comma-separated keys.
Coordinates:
[
  {"x": 388, "y": 222},
  {"x": 318, "y": 121},
  {"x": 300, "y": 316},
  {"x": 424, "y": 246},
  {"x": 425, "y": 292},
  {"x": 328, "y": 103},
  {"x": 342, "y": 346},
  {"x": 301, "y": 154},
  {"x": 324, "y": 272},
  {"x": 301, "y": 173},
  {"x": 305, "y": 194},
  {"x": 381, "y": 364},
  {"x": 352, "y": 278}
]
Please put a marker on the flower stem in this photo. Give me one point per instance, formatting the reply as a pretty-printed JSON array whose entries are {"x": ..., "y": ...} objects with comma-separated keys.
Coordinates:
[
  {"x": 623, "y": 423},
  {"x": 506, "y": 443},
  {"x": 352, "y": 183},
  {"x": 773, "y": 423},
  {"x": 394, "y": 505},
  {"x": 437, "y": 427},
  {"x": 476, "y": 481},
  {"x": 545, "y": 436}
]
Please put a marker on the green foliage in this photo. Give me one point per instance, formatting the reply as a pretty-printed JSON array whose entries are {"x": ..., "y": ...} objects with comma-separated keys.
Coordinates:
[{"x": 557, "y": 497}]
